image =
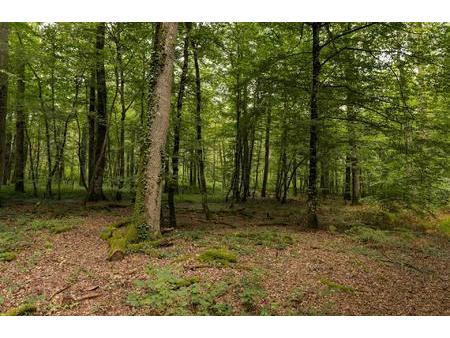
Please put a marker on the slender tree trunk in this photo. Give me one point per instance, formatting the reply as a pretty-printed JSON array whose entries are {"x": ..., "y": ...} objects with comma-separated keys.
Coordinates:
[
  {"x": 199, "y": 146},
  {"x": 173, "y": 184},
  {"x": 235, "y": 184},
  {"x": 20, "y": 125},
  {"x": 91, "y": 118},
  {"x": 96, "y": 183},
  {"x": 147, "y": 211},
  {"x": 313, "y": 137},
  {"x": 347, "y": 182},
  {"x": 4, "y": 52},
  {"x": 121, "y": 152},
  {"x": 266, "y": 154}
]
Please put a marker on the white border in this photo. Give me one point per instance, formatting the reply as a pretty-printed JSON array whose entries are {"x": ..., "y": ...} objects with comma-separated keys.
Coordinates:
[
  {"x": 198, "y": 327},
  {"x": 225, "y": 10}
]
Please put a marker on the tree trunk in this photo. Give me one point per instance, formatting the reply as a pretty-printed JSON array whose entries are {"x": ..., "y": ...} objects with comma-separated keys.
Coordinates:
[
  {"x": 91, "y": 117},
  {"x": 173, "y": 184},
  {"x": 199, "y": 145},
  {"x": 4, "y": 51},
  {"x": 19, "y": 168},
  {"x": 96, "y": 183},
  {"x": 147, "y": 211},
  {"x": 266, "y": 155},
  {"x": 313, "y": 137},
  {"x": 347, "y": 182}
]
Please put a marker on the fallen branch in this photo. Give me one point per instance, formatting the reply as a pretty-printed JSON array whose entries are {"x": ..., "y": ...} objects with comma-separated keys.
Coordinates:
[{"x": 59, "y": 291}]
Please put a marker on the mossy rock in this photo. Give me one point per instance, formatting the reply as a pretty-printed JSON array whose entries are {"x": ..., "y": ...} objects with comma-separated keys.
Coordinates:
[
  {"x": 22, "y": 310},
  {"x": 7, "y": 256},
  {"x": 220, "y": 256}
]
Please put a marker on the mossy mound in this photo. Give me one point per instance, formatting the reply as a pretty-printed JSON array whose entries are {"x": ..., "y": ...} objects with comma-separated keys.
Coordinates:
[
  {"x": 7, "y": 256},
  {"x": 220, "y": 256},
  {"x": 22, "y": 310}
]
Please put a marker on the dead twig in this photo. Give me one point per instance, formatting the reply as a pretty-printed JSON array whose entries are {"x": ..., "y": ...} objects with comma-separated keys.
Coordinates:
[{"x": 59, "y": 291}]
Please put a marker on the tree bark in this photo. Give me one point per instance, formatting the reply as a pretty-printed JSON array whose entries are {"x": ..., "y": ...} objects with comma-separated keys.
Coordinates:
[
  {"x": 96, "y": 183},
  {"x": 19, "y": 168},
  {"x": 266, "y": 154},
  {"x": 4, "y": 53},
  {"x": 199, "y": 145},
  {"x": 173, "y": 184},
  {"x": 313, "y": 137},
  {"x": 91, "y": 117},
  {"x": 147, "y": 211}
]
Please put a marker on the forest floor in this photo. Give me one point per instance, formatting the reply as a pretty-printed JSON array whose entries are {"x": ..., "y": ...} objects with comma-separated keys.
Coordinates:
[{"x": 253, "y": 259}]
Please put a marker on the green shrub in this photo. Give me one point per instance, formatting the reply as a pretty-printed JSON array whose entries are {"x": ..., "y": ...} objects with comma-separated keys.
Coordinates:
[{"x": 220, "y": 256}]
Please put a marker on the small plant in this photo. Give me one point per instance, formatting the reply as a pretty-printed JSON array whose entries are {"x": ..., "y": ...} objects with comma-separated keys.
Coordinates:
[
  {"x": 219, "y": 256},
  {"x": 368, "y": 235},
  {"x": 252, "y": 294},
  {"x": 7, "y": 256},
  {"x": 168, "y": 293}
]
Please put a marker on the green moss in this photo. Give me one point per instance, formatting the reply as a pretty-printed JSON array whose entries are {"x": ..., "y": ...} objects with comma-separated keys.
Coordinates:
[
  {"x": 119, "y": 240},
  {"x": 22, "y": 310},
  {"x": 57, "y": 225},
  {"x": 149, "y": 247},
  {"x": 7, "y": 256},
  {"x": 219, "y": 256},
  {"x": 107, "y": 232},
  {"x": 332, "y": 285},
  {"x": 444, "y": 226}
]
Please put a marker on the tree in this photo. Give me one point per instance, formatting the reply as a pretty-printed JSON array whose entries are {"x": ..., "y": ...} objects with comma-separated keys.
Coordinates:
[
  {"x": 198, "y": 122},
  {"x": 96, "y": 182},
  {"x": 4, "y": 52},
  {"x": 173, "y": 184},
  {"x": 20, "y": 151},
  {"x": 147, "y": 207},
  {"x": 313, "y": 138}
]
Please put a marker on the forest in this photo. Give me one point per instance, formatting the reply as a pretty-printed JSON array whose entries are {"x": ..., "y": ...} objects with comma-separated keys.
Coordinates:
[{"x": 224, "y": 168}]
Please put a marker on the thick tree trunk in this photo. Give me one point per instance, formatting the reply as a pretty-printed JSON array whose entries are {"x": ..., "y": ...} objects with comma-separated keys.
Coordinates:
[
  {"x": 4, "y": 52},
  {"x": 19, "y": 168},
  {"x": 173, "y": 184},
  {"x": 199, "y": 145},
  {"x": 96, "y": 183},
  {"x": 147, "y": 212},
  {"x": 313, "y": 137}
]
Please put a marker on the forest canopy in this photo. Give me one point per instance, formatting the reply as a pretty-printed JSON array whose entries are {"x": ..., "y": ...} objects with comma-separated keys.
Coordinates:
[{"x": 356, "y": 110}]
